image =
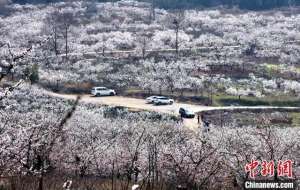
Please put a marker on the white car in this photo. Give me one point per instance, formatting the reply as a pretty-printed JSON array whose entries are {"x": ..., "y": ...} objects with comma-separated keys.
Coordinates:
[
  {"x": 102, "y": 91},
  {"x": 150, "y": 100},
  {"x": 163, "y": 101}
]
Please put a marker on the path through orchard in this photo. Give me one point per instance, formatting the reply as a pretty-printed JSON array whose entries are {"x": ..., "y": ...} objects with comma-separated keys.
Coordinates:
[{"x": 140, "y": 104}]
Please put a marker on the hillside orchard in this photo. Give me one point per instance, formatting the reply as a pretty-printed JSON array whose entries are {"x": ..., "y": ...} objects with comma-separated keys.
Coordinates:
[
  {"x": 253, "y": 53},
  {"x": 125, "y": 147},
  {"x": 72, "y": 46}
]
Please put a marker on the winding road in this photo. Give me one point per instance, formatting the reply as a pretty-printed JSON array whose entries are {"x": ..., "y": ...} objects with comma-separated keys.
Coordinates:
[{"x": 140, "y": 104}]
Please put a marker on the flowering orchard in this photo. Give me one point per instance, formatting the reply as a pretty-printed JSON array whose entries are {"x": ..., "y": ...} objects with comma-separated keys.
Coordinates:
[
  {"x": 50, "y": 143},
  {"x": 251, "y": 53},
  {"x": 125, "y": 147}
]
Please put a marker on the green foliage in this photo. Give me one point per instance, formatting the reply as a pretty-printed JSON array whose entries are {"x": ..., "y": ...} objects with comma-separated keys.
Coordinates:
[
  {"x": 295, "y": 119},
  {"x": 228, "y": 101},
  {"x": 224, "y": 100},
  {"x": 32, "y": 73},
  {"x": 115, "y": 112}
]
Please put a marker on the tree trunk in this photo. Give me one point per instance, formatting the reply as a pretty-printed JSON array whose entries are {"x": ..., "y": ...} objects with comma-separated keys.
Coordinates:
[
  {"x": 112, "y": 176},
  {"x": 66, "y": 36},
  {"x": 55, "y": 41},
  {"x": 177, "y": 43},
  {"x": 211, "y": 96},
  {"x": 153, "y": 10},
  {"x": 41, "y": 181},
  {"x": 12, "y": 183}
]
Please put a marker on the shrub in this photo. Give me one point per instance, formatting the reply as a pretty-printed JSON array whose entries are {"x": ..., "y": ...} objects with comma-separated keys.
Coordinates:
[{"x": 32, "y": 73}]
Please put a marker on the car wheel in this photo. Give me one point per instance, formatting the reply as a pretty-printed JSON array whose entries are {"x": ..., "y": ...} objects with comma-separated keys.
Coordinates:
[
  {"x": 171, "y": 103},
  {"x": 98, "y": 95},
  {"x": 111, "y": 94}
]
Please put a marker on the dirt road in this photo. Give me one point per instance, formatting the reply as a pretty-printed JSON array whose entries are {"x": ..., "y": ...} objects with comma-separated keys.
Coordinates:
[
  {"x": 133, "y": 103},
  {"x": 140, "y": 104}
]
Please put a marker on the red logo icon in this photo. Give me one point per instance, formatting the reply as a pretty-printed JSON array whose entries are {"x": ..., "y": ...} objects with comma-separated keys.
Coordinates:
[{"x": 267, "y": 169}]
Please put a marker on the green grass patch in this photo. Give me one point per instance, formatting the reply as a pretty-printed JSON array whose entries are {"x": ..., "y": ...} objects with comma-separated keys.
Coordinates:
[
  {"x": 271, "y": 69},
  {"x": 272, "y": 66},
  {"x": 282, "y": 101},
  {"x": 223, "y": 99},
  {"x": 275, "y": 68},
  {"x": 295, "y": 119},
  {"x": 243, "y": 101}
]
